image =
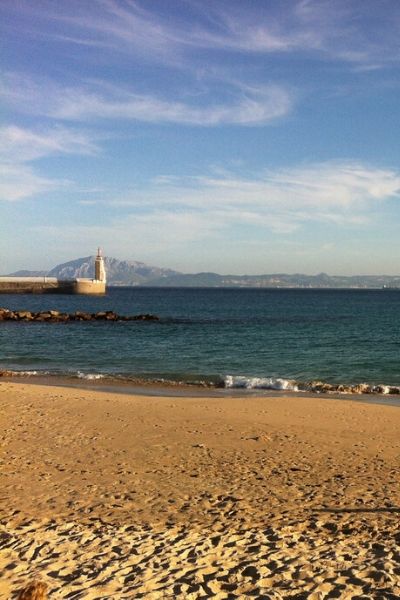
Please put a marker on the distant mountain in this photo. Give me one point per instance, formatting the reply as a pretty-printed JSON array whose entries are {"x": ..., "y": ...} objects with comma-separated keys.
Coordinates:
[
  {"x": 25, "y": 273},
  {"x": 119, "y": 272},
  {"x": 134, "y": 273},
  {"x": 278, "y": 280}
]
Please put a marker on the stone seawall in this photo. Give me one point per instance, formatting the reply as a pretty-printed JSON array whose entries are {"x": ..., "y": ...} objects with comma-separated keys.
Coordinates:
[
  {"x": 35, "y": 287},
  {"x": 44, "y": 285}
]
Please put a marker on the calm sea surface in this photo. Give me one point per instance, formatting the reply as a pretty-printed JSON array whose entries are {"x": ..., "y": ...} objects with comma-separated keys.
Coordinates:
[{"x": 235, "y": 337}]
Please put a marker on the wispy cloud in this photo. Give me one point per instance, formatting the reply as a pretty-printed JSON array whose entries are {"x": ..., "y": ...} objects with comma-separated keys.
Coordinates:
[
  {"x": 253, "y": 106},
  {"x": 228, "y": 220},
  {"x": 249, "y": 105},
  {"x": 21, "y": 181},
  {"x": 204, "y": 43},
  {"x": 338, "y": 30},
  {"x": 20, "y": 146},
  {"x": 341, "y": 193}
]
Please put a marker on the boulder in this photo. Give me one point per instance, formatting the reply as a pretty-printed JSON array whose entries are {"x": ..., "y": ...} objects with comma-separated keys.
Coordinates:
[
  {"x": 99, "y": 316},
  {"x": 344, "y": 389},
  {"x": 394, "y": 390},
  {"x": 24, "y": 314},
  {"x": 44, "y": 316},
  {"x": 81, "y": 316},
  {"x": 145, "y": 317},
  {"x": 111, "y": 315},
  {"x": 362, "y": 388},
  {"x": 320, "y": 386},
  {"x": 62, "y": 317}
]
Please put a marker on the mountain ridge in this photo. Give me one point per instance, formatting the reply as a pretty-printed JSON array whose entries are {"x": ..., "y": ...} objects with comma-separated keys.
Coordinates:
[{"x": 126, "y": 273}]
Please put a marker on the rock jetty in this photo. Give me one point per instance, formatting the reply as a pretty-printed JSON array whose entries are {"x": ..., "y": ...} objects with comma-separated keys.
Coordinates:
[{"x": 55, "y": 316}]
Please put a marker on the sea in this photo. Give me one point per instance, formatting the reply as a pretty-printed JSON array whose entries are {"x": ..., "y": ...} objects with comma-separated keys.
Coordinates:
[{"x": 294, "y": 340}]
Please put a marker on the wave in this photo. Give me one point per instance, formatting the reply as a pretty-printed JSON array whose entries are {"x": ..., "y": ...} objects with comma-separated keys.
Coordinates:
[
  {"x": 291, "y": 385},
  {"x": 89, "y": 376},
  {"x": 229, "y": 382},
  {"x": 260, "y": 383}
]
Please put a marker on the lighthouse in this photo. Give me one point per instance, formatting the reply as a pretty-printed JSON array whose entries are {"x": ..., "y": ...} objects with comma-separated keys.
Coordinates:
[
  {"x": 99, "y": 270},
  {"x": 96, "y": 285}
]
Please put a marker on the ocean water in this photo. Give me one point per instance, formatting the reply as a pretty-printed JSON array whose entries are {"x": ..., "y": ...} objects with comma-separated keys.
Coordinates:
[{"x": 248, "y": 338}]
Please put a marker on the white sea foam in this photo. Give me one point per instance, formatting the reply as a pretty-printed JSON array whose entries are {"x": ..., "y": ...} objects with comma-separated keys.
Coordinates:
[
  {"x": 90, "y": 376},
  {"x": 290, "y": 385},
  {"x": 29, "y": 373},
  {"x": 260, "y": 383},
  {"x": 385, "y": 389}
]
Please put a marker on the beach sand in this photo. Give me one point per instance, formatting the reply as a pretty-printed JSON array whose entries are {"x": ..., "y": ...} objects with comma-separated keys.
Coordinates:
[{"x": 105, "y": 495}]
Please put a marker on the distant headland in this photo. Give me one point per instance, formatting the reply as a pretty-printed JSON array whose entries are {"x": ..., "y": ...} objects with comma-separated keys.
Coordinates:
[{"x": 133, "y": 273}]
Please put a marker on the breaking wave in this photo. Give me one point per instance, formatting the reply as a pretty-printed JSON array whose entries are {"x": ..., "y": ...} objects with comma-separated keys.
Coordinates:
[
  {"x": 260, "y": 383},
  {"x": 90, "y": 376},
  {"x": 291, "y": 385}
]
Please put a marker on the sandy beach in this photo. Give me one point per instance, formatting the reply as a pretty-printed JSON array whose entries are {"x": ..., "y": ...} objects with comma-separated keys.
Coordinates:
[{"x": 105, "y": 495}]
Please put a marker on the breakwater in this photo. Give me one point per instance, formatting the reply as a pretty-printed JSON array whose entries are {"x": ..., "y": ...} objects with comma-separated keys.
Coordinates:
[
  {"x": 55, "y": 316},
  {"x": 50, "y": 285}
]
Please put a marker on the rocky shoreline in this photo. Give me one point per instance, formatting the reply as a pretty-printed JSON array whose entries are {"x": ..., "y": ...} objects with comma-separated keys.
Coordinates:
[
  {"x": 55, "y": 316},
  {"x": 321, "y": 387}
]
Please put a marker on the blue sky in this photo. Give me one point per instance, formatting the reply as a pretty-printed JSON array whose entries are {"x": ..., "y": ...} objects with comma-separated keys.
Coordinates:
[{"x": 234, "y": 136}]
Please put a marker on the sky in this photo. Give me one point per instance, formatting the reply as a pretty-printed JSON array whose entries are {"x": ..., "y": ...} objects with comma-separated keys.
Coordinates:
[{"x": 235, "y": 136}]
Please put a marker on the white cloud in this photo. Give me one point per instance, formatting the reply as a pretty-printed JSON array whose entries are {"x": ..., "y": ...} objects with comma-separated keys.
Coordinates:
[
  {"x": 254, "y": 107},
  {"x": 341, "y": 193},
  {"x": 326, "y": 29},
  {"x": 20, "y": 181},
  {"x": 20, "y": 146},
  {"x": 250, "y": 105},
  {"x": 222, "y": 220}
]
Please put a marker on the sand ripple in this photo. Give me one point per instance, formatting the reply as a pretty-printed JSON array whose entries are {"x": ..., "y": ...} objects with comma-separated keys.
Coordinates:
[{"x": 329, "y": 555}]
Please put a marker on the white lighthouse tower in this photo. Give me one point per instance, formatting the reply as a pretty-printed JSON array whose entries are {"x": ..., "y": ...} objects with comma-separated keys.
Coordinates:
[{"x": 99, "y": 269}]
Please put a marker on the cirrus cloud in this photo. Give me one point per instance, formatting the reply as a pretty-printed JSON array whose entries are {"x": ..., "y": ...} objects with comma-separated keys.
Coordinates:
[
  {"x": 21, "y": 181},
  {"x": 317, "y": 27},
  {"x": 20, "y": 146},
  {"x": 95, "y": 101},
  {"x": 189, "y": 218},
  {"x": 341, "y": 192}
]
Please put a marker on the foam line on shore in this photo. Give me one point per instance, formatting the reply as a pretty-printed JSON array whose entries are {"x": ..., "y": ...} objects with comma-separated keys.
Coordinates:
[{"x": 228, "y": 382}]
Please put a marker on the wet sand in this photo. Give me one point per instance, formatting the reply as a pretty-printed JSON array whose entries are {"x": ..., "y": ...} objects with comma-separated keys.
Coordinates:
[{"x": 105, "y": 495}]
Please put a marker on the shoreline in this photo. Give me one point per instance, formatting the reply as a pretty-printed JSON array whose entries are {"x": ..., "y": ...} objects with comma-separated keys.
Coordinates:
[
  {"x": 143, "y": 387},
  {"x": 110, "y": 495}
]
